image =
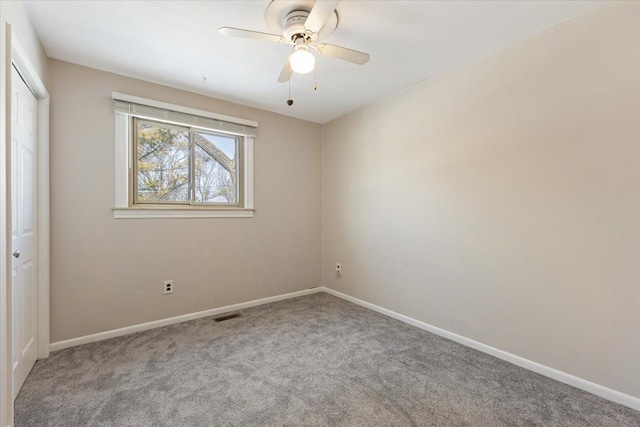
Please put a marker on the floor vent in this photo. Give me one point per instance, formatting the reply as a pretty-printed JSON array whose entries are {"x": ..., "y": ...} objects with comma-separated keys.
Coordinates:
[{"x": 231, "y": 316}]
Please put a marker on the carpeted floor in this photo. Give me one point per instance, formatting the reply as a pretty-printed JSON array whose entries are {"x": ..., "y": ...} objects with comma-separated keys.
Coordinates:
[{"x": 310, "y": 361}]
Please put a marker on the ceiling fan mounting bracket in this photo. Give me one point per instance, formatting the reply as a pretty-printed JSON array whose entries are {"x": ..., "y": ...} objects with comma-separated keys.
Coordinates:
[
  {"x": 288, "y": 18},
  {"x": 294, "y": 26}
]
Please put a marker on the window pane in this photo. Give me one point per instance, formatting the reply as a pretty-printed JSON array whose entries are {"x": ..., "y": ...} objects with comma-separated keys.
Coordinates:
[
  {"x": 163, "y": 163},
  {"x": 215, "y": 169}
]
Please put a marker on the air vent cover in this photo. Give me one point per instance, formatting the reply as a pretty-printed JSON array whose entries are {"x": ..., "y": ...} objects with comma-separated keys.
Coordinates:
[{"x": 230, "y": 316}]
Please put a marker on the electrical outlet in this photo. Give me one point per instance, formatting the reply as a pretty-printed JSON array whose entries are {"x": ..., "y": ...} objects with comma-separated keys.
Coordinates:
[
  {"x": 339, "y": 268},
  {"x": 168, "y": 287}
]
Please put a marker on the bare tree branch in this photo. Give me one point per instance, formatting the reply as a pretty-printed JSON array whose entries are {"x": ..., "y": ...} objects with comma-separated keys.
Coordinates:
[{"x": 216, "y": 153}]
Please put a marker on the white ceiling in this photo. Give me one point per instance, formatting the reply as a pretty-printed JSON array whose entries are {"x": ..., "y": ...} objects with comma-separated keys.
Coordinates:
[{"x": 176, "y": 43}]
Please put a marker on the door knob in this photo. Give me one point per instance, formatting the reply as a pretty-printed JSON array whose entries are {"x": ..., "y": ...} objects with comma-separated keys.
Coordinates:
[{"x": 16, "y": 254}]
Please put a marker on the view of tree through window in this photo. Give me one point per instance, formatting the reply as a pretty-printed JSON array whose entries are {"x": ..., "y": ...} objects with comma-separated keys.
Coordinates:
[
  {"x": 215, "y": 169},
  {"x": 181, "y": 165}
]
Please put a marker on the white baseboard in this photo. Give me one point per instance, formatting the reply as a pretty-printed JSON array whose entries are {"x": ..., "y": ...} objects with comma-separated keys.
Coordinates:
[
  {"x": 563, "y": 377},
  {"x": 173, "y": 320},
  {"x": 598, "y": 390}
]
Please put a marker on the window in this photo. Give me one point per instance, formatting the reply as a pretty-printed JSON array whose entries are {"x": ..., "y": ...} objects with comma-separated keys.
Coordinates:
[
  {"x": 180, "y": 165},
  {"x": 174, "y": 161}
]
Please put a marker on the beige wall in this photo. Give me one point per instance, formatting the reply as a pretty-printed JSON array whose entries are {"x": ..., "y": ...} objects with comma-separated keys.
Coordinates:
[
  {"x": 108, "y": 273},
  {"x": 501, "y": 200}
]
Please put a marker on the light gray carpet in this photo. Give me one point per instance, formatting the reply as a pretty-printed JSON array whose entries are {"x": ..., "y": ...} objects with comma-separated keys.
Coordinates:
[{"x": 310, "y": 361}]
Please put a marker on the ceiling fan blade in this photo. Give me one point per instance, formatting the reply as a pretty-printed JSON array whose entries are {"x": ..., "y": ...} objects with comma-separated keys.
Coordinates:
[
  {"x": 285, "y": 74},
  {"x": 248, "y": 34},
  {"x": 319, "y": 14},
  {"x": 343, "y": 53}
]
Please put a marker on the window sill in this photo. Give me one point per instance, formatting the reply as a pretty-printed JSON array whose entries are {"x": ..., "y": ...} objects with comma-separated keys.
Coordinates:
[{"x": 172, "y": 212}]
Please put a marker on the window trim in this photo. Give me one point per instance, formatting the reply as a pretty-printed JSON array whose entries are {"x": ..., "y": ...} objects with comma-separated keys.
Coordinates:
[
  {"x": 124, "y": 207},
  {"x": 116, "y": 96}
]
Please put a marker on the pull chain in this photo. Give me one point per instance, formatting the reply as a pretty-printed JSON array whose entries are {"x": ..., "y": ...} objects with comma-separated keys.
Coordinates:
[
  {"x": 315, "y": 74},
  {"x": 290, "y": 100}
]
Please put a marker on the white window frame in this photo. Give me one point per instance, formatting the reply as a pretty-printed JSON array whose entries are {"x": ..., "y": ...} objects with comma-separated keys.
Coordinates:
[{"x": 123, "y": 165}]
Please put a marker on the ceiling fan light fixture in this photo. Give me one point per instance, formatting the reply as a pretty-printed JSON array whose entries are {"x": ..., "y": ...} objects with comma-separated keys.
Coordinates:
[{"x": 301, "y": 60}]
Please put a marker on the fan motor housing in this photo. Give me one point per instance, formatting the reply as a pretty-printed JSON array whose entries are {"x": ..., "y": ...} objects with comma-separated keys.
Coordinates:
[
  {"x": 294, "y": 25},
  {"x": 288, "y": 18}
]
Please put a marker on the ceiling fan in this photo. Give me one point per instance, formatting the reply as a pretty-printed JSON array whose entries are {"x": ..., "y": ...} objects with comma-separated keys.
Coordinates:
[{"x": 302, "y": 24}]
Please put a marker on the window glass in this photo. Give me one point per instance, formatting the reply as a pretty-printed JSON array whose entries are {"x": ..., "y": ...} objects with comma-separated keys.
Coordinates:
[
  {"x": 163, "y": 157},
  {"x": 178, "y": 165},
  {"x": 215, "y": 168}
]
